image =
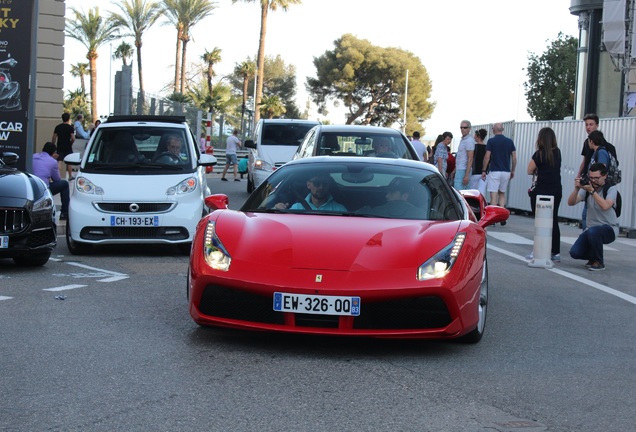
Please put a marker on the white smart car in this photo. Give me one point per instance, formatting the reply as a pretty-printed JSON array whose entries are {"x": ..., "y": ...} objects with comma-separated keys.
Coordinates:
[{"x": 141, "y": 179}]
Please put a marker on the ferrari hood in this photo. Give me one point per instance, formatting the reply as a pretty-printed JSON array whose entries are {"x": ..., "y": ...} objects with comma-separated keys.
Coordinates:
[{"x": 323, "y": 242}]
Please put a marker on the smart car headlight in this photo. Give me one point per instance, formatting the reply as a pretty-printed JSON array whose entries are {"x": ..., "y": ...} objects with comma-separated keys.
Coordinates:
[
  {"x": 186, "y": 186},
  {"x": 440, "y": 264},
  {"x": 84, "y": 185},
  {"x": 214, "y": 252},
  {"x": 260, "y": 164}
]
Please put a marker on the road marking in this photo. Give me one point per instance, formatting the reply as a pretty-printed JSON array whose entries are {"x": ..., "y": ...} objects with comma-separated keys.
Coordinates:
[
  {"x": 510, "y": 238},
  {"x": 112, "y": 276},
  {"x": 579, "y": 279},
  {"x": 5, "y": 298},
  {"x": 64, "y": 288}
]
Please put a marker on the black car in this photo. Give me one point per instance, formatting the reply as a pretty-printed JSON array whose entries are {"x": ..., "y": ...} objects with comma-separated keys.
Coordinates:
[
  {"x": 355, "y": 140},
  {"x": 28, "y": 232}
]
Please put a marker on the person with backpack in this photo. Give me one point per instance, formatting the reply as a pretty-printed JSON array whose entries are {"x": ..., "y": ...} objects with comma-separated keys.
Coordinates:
[{"x": 602, "y": 216}]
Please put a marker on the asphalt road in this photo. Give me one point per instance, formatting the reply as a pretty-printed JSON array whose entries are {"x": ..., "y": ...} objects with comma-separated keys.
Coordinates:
[{"x": 104, "y": 342}]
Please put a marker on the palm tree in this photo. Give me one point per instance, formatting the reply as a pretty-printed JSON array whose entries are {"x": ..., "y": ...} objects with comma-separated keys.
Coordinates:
[
  {"x": 265, "y": 6},
  {"x": 124, "y": 51},
  {"x": 211, "y": 58},
  {"x": 184, "y": 14},
  {"x": 272, "y": 106},
  {"x": 246, "y": 70},
  {"x": 137, "y": 16},
  {"x": 80, "y": 70},
  {"x": 92, "y": 31}
]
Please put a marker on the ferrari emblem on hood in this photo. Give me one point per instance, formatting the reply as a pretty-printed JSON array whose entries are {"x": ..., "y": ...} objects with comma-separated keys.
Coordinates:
[{"x": 318, "y": 278}]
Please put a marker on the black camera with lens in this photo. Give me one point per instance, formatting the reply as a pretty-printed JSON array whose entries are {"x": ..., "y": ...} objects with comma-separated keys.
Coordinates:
[{"x": 584, "y": 180}]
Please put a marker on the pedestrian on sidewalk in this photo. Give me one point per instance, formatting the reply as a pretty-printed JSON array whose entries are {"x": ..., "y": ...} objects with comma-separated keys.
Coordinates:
[
  {"x": 233, "y": 143},
  {"x": 501, "y": 154},
  {"x": 546, "y": 165},
  {"x": 464, "y": 157},
  {"x": 63, "y": 138}
]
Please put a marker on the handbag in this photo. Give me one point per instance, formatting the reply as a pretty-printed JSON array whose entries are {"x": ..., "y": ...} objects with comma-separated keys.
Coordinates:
[{"x": 533, "y": 185}]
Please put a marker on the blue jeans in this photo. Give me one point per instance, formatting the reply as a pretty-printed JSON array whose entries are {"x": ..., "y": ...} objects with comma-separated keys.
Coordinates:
[
  {"x": 61, "y": 187},
  {"x": 589, "y": 245},
  {"x": 459, "y": 179}
]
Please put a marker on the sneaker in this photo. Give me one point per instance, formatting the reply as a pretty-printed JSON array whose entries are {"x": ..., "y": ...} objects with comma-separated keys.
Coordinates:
[
  {"x": 597, "y": 266},
  {"x": 556, "y": 257},
  {"x": 503, "y": 223},
  {"x": 223, "y": 179},
  {"x": 237, "y": 180},
  {"x": 589, "y": 264},
  {"x": 530, "y": 257}
]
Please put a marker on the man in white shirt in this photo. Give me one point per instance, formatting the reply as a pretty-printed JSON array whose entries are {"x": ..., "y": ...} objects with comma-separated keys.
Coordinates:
[
  {"x": 464, "y": 157},
  {"x": 419, "y": 146},
  {"x": 231, "y": 145}
]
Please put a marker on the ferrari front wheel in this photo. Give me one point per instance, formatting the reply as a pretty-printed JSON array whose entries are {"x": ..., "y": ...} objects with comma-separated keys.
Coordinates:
[{"x": 482, "y": 308}]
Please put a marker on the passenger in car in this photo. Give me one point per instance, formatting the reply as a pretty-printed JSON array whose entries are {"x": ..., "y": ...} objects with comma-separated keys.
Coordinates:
[{"x": 399, "y": 194}]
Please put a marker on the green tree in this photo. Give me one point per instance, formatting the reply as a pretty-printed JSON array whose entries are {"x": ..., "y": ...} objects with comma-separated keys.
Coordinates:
[
  {"x": 92, "y": 31},
  {"x": 211, "y": 58},
  {"x": 272, "y": 106},
  {"x": 75, "y": 103},
  {"x": 245, "y": 71},
  {"x": 279, "y": 79},
  {"x": 80, "y": 70},
  {"x": 371, "y": 82},
  {"x": 184, "y": 14},
  {"x": 266, "y": 5},
  {"x": 135, "y": 18},
  {"x": 124, "y": 51},
  {"x": 552, "y": 79}
]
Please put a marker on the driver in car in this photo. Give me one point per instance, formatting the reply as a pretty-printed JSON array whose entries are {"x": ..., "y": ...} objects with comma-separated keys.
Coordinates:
[
  {"x": 173, "y": 153},
  {"x": 382, "y": 148},
  {"x": 318, "y": 198}
]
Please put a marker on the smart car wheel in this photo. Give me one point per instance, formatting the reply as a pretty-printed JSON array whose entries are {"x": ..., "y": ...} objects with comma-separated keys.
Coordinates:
[
  {"x": 74, "y": 247},
  {"x": 482, "y": 307}
]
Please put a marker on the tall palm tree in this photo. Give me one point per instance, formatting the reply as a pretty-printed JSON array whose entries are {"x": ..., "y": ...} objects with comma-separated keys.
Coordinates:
[
  {"x": 246, "y": 70},
  {"x": 266, "y": 5},
  {"x": 137, "y": 16},
  {"x": 184, "y": 14},
  {"x": 92, "y": 31},
  {"x": 211, "y": 58},
  {"x": 272, "y": 106},
  {"x": 124, "y": 51},
  {"x": 80, "y": 70}
]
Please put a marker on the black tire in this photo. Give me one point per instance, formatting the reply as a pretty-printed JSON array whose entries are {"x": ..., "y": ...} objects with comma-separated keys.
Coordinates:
[
  {"x": 478, "y": 332},
  {"x": 35, "y": 260},
  {"x": 75, "y": 247}
]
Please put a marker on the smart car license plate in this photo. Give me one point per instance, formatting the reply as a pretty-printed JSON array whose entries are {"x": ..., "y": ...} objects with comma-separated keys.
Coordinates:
[
  {"x": 316, "y": 304},
  {"x": 134, "y": 221},
  {"x": 4, "y": 242}
]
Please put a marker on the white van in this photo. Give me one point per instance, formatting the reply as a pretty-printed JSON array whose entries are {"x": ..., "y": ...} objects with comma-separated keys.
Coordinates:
[
  {"x": 142, "y": 180},
  {"x": 275, "y": 142}
]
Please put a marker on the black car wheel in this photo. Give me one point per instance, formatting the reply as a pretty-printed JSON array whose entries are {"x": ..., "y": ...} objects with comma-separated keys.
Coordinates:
[{"x": 75, "y": 247}]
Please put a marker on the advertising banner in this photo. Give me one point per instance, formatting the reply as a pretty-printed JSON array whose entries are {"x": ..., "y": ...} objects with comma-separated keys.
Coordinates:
[{"x": 15, "y": 58}]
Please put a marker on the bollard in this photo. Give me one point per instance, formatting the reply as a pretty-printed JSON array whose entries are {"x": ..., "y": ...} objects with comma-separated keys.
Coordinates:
[{"x": 542, "y": 250}]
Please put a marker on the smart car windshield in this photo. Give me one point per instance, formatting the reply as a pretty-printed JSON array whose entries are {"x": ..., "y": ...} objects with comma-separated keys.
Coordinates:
[
  {"x": 139, "y": 148},
  {"x": 356, "y": 189}
]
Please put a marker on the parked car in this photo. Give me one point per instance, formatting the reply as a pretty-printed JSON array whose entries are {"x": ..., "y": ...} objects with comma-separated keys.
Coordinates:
[
  {"x": 28, "y": 232},
  {"x": 350, "y": 246},
  {"x": 275, "y": 142},
  {"x": 355, "y": 140},
  {"x": 141, "y": 179}
]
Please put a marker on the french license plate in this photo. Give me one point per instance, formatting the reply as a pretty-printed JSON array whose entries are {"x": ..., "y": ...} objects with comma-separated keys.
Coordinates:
[
  {"x": 4, "y": 242},
  {"x": 134, "y": 221},
  {"x": 316, "y": 304}
]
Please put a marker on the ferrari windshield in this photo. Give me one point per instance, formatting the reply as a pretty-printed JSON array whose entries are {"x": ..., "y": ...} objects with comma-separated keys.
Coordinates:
[
  {"x": 143, "y": 149},
  {"x": 357, "y": 188}
]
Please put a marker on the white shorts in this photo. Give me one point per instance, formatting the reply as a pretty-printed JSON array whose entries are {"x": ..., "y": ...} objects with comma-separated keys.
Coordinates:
[
  {"x": 477, "y": 183},
  {"x": 498, "y": 181}
]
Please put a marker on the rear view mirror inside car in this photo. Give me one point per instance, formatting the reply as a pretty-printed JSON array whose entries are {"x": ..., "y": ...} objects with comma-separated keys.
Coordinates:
[{"x": 362, "y": 141}]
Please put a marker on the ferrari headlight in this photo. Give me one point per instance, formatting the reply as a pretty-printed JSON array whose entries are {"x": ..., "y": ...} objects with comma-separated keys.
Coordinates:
[
  {"x": 186, "y": 186},
  {"x": 214, "y": 252},
  {"x": 440, "y": 264},
  {"x": 260, "y": 164},
  {"x": 83, "y": 185}
]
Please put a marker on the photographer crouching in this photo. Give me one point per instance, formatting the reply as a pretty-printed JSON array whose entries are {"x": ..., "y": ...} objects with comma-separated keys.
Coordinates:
[{"x": 602, "y": 222}]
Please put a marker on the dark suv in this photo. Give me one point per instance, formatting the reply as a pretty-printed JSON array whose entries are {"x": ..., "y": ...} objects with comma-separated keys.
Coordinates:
[{"x": 28, "y": 232}]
